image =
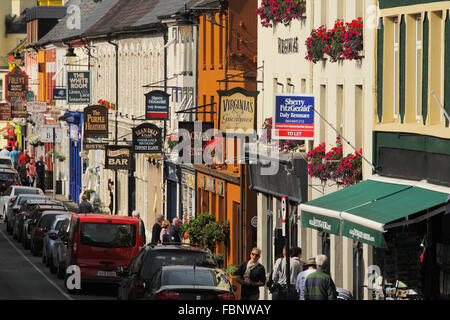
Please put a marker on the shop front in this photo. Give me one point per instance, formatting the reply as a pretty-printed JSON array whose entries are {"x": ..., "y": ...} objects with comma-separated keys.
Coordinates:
[{"x": 172, "y": 174}]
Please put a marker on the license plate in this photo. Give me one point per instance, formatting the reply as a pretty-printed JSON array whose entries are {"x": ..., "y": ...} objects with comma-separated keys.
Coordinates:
[
  {"x": 198, "y": 298},
  {"x": 106, "y": 273}
]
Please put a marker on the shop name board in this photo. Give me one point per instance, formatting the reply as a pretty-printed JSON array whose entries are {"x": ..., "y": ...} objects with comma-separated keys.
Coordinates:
[
  {"x": 59, "y": 94},
  {"x": 294, "y": 117},
  {"x": 237, "y": 110},
  {"x": 319, "y": 224},
  {"x": 78, "y": 87},
  {"x": 117, "y": 157},
  {"x": 157, "y": 105},
  {"x": 96, "y": 122},
  {"x": 286, "y": 46},
  {"x": 361, "y": 235},
  {"x": 36, "y": 106},
  {"x": 16, "y": 85},
  {"x": 147, "y": 138},
  {"x": 5, "y": 112},
  {"x": 94, "y": 146}
]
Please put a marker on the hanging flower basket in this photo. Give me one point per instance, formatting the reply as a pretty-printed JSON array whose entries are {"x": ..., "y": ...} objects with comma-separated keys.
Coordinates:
[
  {"x": 107, "y": 104},
  {"x": 34, "y": 140},
  {"x": 272, "y": 12},
  {"x": 172, "y": 141}
]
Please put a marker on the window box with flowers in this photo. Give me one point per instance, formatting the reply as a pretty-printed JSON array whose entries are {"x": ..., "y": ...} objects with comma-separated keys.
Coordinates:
[
  {"x": 107, "y": 104},
  {"x": 273, "y": 12},
  {"x": 333, "y": 166},
  {"x": 283, "y": 145},
  {"x": 344, "y": 41}
]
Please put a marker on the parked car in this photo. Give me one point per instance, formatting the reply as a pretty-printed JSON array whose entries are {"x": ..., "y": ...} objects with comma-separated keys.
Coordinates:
[
  {"x": 12, "y": 192},
  {"x": 59, "y": 249},
  {"x": 50, "y": 237},
  {"x": 99, "y": 243},
  {"x": 14, "y": 207},
  {"x": 6, "y": 161},
  {"x": 41, "y": 228},
  {"x": 30, "y": 223},
  {"x": 190, "y": 283},
  {"x": 144, "y": 266}
]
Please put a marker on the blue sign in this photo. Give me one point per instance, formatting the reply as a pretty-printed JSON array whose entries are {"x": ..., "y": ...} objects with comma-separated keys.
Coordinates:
[
  {"x": 157, "y": 105},
  {"x": 293, "y": 117}
]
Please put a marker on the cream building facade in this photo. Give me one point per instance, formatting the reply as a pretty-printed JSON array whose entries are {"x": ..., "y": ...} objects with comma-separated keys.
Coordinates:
[{"x": 344, "y": 96}]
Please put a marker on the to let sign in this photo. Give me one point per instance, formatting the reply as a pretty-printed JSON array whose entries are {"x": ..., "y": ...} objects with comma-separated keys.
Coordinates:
[
  {"x": 95, "y": 122},
  {"x": 117, "y": 157},
  {"x": 78, "y": 87},
  {"x": 147, "y": 138},
  {"x": 157, "y": 105},
  {"x": 294, "y": 117}
]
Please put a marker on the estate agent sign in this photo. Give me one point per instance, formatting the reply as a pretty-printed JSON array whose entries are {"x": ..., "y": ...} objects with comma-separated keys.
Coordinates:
[
  {"x": 78, "y": 87},
  {"x": 117, "y": 157},
  {"x": 237, "y": 110},
  {"x": 95, "y": 122},
  {"x": 147, "y": 138},
  {"x": 157, "y": 105}
]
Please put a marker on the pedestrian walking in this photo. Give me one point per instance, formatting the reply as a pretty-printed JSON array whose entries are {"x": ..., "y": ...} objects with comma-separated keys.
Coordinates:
[
  {"x": 141, "y": 226},
  {"x": 175, "y": 232},
  {"x": 85, "y": 205},
  {"x": 156, "y": 229},
  {"x": 40, "y": 171},
  {"x": 271, "y": 284},
  {"x": 319, "y": 285},
  {"x": 4, "y": 152},
  {"x": 15, "y": 155},
  {"x": 23, "y": 175},
  {"x": 164, "y": 234},
  {"x": 251, "y": 275},
  {"x": 111, "y": 195},
  {"x": 24, "y": 158},
  {"x": 31, "y": 171},
  {"x": 309, "y": 267},
  {"x": 280, "y": 277}
]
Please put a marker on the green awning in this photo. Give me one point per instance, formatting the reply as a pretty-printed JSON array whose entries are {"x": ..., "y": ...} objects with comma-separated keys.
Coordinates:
[
  {"x": 366, "y": 223},
  {"x": 330, "y": 206}
]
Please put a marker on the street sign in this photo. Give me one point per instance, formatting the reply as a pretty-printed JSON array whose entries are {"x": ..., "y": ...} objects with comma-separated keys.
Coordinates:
[{"x": 283, "y": 213}]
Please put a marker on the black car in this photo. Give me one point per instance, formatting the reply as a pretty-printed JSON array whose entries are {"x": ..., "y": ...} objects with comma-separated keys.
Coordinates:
[
  {"x": 42, "y": 227},
  {"x": 151, "y": 258},
  {"x": 190, "y": 283},
  {"x": 15, "y": 210}
]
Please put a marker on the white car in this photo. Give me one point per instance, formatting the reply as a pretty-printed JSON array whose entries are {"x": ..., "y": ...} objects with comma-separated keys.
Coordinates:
[
  {"x": 6, "y": 161},
  {"x": 10, "y": 194}
]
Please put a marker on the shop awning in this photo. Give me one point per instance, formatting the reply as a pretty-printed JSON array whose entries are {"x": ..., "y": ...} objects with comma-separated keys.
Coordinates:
[{"x": 370, "y": 208}]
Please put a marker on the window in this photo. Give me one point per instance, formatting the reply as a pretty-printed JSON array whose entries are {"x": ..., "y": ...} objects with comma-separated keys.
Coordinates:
[
  {"x": 108, "y": 235},
  {"x": 418, "y": 60},
  {"x": 396, "y": 67}
]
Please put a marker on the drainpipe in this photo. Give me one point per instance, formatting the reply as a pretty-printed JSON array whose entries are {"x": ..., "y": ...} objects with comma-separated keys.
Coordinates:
[{"x": 116, "y": 189}]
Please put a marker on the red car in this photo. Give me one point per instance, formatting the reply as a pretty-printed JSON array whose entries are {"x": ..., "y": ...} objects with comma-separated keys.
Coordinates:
[
  {"x": 98, "y": 244},
  {"x": 8, "y": 177}
]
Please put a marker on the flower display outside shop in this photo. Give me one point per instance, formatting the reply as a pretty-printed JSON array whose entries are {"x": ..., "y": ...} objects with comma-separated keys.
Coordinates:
[
  {"x": 172, "y": 141},
  {"x": 344, "y": 41},
  {"x": 34, "y": 140},
  {"x": 272, "y": 12},
  {"x": 107, "y": 104},
  {"x": 332, "y": 165}
]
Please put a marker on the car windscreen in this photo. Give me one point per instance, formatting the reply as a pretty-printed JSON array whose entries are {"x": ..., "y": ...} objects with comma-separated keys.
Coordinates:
[
  {"x": 58, "y": 224},
  {"x": 160, "y": 258},
  {"x": 5, "y": 161},
  {"x": 47, "y": 221},
  {"x": 108, "y": 235},
  {"x": 26, "y": 191},
  {"x": 6, "y": 176},
  {"x": 186, "y": 277}
]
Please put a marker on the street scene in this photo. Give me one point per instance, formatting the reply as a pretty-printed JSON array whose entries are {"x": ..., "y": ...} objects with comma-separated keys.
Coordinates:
[{"x": 225, "y": 150}]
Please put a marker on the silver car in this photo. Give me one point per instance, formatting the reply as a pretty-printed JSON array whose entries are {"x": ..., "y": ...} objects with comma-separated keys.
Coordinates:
[
  {"x": 50, "y": 238},
  {"x": 59, "y": 249},
  {"x": 8, "y": 197}
]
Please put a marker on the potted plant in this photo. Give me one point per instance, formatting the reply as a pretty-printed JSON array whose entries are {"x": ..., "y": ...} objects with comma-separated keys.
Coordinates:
[
  {"x": 272, "y": 12},
  {"x": 172, "y": 141},
  {"x": 107, "y": 104}
]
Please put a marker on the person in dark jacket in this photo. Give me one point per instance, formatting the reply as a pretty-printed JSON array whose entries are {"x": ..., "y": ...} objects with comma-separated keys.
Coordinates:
[
  {"x": 175, "y": 232},
  {"x": 40, "y": 170},
  {"x": 85, "y": 205},
  {"x": 251, "y": 275},
  {"x": 156, "y": 230}
]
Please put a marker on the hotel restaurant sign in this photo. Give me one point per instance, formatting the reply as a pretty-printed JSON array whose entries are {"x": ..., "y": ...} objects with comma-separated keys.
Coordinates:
[
  {"x": 95, "y": 122},
  {"x": 237, "y": 110}
]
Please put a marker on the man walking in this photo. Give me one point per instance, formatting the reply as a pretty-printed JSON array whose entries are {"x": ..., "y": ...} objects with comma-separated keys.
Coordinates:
[
  {"x": 4, "y": 152},
  {"x": 251, "y": 275},
  {"x": 15, "y": 154},
  {"x": 85, "y": 205},
  {"x": 156, "y": 230},
  {"x": 319, "y": 285},
  {"x": 24, "y": 158},
  {"x": 40, "y": 170},
  {"x": 175, "y": 232},
  {"x": 310, "y": 267},
  {"x": 279, "y": 276}
]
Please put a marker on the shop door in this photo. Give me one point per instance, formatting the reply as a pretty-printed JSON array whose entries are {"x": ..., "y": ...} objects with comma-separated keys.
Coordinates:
[
  {"x": 132, "y": 187},
  {"x": 75, "y": 171},
  {"x": 171, "y": 200}
]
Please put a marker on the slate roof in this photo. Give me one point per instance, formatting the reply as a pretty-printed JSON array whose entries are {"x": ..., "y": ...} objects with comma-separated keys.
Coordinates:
[{"x": 162, "y": 8}]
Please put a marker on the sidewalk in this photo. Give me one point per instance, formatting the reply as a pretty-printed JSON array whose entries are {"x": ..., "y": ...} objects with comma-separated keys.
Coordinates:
[{"x": 73, "y": 207}]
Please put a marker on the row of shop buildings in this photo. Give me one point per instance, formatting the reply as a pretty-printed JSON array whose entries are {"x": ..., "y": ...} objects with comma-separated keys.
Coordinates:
[{"x": 389, "y": 104}]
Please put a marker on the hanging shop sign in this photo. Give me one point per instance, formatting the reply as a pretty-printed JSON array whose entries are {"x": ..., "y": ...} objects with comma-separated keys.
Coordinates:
[
  {"x": 5, "y": 112},
  {"x": 37, "y": 106},
  {"x": 16, "y": 83},
  {"x": 46, "y": 134},
  {"x": 237, "y": 110},
  {"x": 94, "y": 146},
  {"x": 157, "y": 105},
  {"x": 147, "y": 138},
  {"x": 30, "y": 96},
  {"x": 286, "y": 46},
  {"x": 196, "y": 149},
  {"x": 117, "y": 157},
  {"x": 59, "y": 93},
  {"x": 95, "y": 122},
  {"x": 294, "y": 117},
  {"x": 79, "y": 87}
]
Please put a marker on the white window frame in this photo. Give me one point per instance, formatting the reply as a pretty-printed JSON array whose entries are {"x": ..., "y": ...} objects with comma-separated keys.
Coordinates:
[
  {"x": 418, "y": 56},
  {"x": 396, "y": 64}
]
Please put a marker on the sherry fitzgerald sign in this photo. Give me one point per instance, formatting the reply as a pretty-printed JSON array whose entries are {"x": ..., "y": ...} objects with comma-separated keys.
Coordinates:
[
  {"x": 237, "y": 110},
  {"x": 156, "y": 105},
  {"x": 96, "y": 122}
]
